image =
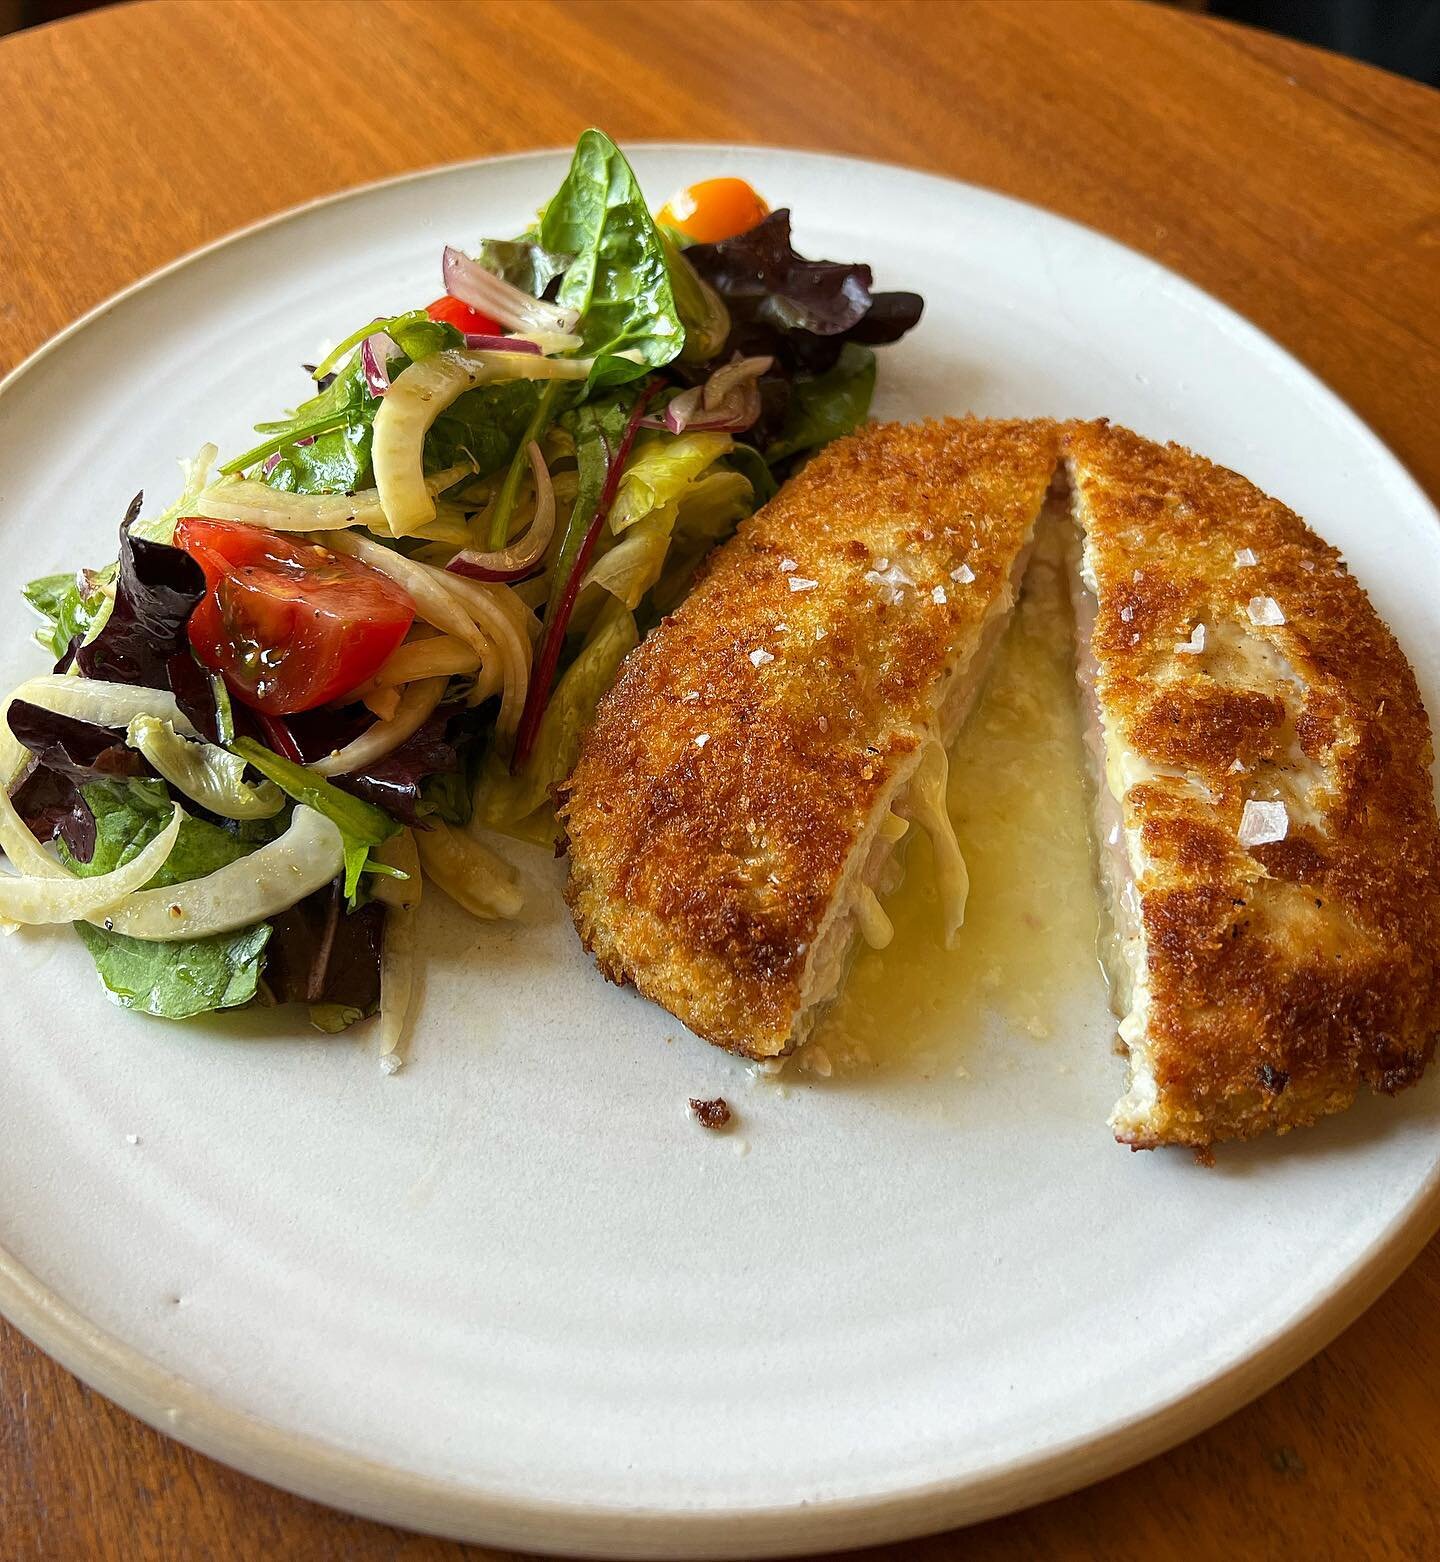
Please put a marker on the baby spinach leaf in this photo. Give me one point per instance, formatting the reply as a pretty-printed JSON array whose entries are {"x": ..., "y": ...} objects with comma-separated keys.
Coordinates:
[
  {"x": 619, "y": 280},
  {"x": 523, "y": 264}
]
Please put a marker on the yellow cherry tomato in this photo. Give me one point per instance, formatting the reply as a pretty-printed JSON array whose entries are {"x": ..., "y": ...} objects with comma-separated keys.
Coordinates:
[{"x": 714, "y": 209}]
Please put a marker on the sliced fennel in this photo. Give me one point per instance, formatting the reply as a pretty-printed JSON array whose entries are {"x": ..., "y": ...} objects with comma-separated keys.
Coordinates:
[
  {"x": 417, "y": 397},
  {"x": 470, "y": 873},
  {"x": 402, "y": 886},
  {"x": 210, "y": 776},
  {"x": 434, "y": 657},
  {"x": 434, "y": 602},
  {"x": 254, "y": 503},
  {"x": 106, "y": 704},
  {"x": 416, "y": 704},
  {"x": 253, "y": 889},
  {"x": 58, "y": 896},
  {"x": 89, "y": 699},
  {"x": 397, "y": 984},
  {"x": 397, "y": 953},
  {"x": 362, "y": 825}
]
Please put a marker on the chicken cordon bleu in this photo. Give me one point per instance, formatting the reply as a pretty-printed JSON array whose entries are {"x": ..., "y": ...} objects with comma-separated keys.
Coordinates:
[
  {"x": 1265, "y": 813},
  {"x": 733, "y": 815}
]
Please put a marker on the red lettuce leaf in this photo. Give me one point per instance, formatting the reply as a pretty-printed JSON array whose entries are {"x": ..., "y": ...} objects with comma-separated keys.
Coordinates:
[
  {"x": 82, "y": 750},
  {"x": 802, "y": 309},
  {"x": 319, "y": 953},
  {"x": 393, "y": 783},
  {"x": 51, "y": 805},
  {"x": 144, "y": 640}
]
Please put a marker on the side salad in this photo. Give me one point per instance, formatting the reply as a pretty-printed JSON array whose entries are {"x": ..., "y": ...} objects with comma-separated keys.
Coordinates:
[{"x": 316, "y": 679}]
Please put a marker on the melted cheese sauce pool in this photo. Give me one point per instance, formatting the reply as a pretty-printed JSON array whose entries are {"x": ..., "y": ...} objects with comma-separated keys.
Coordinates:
[{"x": 1018, "y": 799}]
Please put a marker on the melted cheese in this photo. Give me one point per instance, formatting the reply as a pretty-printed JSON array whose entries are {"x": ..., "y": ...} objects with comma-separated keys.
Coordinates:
[{"x": 1017, "y": 805}]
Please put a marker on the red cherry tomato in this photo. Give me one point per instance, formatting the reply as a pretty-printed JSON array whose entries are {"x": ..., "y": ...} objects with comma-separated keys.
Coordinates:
[
  {"x": 714, "y": 209},
  {"x": 463, "y": 317},
  {"x": 289, "y": 625}
]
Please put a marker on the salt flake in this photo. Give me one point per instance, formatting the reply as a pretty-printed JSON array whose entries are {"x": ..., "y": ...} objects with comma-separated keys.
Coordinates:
[
  {"x": 891, "y": 580},
  {"x": 1264, "y": 612},
  {"x": 1237, "y": 767},
  {"x": 701, "y": 739},
  {"x": 758, "y": 658},
  {"x": 938, "y": 595},
  {"x": 1263, "y": 823},
  {"x": 1245, "y": 558},
  {"x": 787, "y": 565},
  {"x": 964, "y": 575},
  {"x": 1196, "y": 643},
  {"x": 799, "y": 583},
  {"x": 1126, "y": 614}
]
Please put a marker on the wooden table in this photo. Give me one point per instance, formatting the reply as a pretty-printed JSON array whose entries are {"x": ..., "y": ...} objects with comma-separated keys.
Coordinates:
[{"x": 1302, "y": 189}]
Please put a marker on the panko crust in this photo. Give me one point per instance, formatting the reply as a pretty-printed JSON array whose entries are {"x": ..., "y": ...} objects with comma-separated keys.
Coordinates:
[
  {"x": 1285, "y": 976},
  {"x": 739, "y": 760}
]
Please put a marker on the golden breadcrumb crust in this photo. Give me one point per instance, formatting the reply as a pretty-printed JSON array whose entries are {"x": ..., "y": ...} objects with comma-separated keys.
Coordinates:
[
  {"x": 738, "y": 762},
  {"x": 1282, "y": 976}
]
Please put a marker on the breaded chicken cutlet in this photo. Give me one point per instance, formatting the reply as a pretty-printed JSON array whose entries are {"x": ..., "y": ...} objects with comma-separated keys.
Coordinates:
[
  {"x": 1265, "y": 820},
  {"x": 1266, "y": 817},
  {"x": 735, "y": 803}
]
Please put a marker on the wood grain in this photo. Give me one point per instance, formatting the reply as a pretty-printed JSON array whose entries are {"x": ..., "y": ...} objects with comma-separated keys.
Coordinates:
[{"x": 1302, "y": 189}]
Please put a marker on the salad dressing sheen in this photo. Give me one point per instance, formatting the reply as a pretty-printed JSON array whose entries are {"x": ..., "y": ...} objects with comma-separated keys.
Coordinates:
[{"x": 1017, "y": 797}]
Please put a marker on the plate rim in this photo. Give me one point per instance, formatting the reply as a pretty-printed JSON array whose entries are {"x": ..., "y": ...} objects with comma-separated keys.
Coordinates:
[{"x": 322, "y": 1470}]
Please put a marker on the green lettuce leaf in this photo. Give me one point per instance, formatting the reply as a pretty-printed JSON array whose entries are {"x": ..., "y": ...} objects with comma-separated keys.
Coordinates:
[
  {"x": 619, "y": 280},
  {"x": 130, "y": 814},
  {"x": 71, "y": 603},
  {"x": 825, "y": 406},
  {"x": 180, "y": 980},
  {"x": 661, "y": 467}
]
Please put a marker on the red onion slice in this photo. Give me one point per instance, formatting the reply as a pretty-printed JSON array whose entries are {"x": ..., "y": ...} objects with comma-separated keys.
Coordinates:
[
  {"x": 736, "y": 374},
  {"x": 500, "y": 344},
  {"x": 472, "y": 284},
  {"x": 728, "y": 402},
  {"x": 376, "y": 352},
  {"x": 522, "y": 558}
]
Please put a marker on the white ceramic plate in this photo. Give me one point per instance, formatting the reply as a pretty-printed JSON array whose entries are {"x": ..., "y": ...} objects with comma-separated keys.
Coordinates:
[{"x": 514, "y": 1294}]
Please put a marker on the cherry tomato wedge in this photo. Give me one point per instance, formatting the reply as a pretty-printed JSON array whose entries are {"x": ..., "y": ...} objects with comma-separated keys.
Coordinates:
[
  {"x": 714, "y": 209},
  {"x": 463, "y": 317},
  {"x": 289, "y": 625}
]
